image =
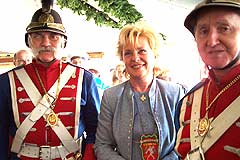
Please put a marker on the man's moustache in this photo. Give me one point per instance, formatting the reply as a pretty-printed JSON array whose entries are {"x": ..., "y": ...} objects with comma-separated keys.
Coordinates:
[{"x": 46, "y": 50}]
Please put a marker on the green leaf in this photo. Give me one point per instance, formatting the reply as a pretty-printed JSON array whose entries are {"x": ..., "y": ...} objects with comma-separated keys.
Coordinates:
[{"x": 111, "y": 13}]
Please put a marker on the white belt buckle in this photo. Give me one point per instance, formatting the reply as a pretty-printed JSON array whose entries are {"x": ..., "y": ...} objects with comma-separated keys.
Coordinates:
[{"x": 45, "y": 152}]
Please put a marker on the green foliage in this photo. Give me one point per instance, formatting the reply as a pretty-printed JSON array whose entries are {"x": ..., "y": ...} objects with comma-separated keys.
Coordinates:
[{"x": 113, "y": 13}]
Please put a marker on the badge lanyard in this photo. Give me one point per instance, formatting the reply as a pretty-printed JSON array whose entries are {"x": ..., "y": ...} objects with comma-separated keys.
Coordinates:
[
  {"x": 52, "y": 118},
  {"x": 149, "y": 143},
  {"x": 205, "y": 123}
]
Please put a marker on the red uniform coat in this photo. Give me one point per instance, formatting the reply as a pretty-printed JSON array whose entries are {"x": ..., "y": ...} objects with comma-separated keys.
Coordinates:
[
  {"x": 77, "y": 110},
  {"x": 232, "y": 136}
]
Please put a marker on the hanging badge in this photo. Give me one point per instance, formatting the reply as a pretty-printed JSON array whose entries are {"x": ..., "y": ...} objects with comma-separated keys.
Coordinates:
[
  {"x": 52, "y": 119},
  {"x": 149, "y": 147},
  {"x": 203, "y": 126}
]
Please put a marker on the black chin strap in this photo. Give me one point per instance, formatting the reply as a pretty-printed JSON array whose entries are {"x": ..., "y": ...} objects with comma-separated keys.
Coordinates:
[{"x": 229, "y": 65}]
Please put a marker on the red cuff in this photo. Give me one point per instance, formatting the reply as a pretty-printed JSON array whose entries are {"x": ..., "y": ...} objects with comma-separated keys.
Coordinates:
[{"x": 89, "y": 153}]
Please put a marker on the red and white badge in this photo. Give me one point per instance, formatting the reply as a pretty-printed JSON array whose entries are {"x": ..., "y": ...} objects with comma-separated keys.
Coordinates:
[{"x": 149, "y": 147}]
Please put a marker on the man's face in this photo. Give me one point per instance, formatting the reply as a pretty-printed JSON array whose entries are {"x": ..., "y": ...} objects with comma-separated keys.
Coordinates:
[
  {"x": 217, "y": 35},
  {"x": 46, "y": 45},
  {"x": 23, "y": 58},
  {"x": 77, "y": 61}
]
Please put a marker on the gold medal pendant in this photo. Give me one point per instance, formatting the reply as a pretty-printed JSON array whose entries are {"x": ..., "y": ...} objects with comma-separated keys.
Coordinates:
[
  {"x": 149, "y": 147},
  {"x": 52, "y": 119},
  {"x": 203, "y": 126}
]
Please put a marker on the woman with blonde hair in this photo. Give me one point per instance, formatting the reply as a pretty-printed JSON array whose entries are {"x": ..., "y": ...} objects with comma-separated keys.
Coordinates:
[{"x": 136, "y": 120}]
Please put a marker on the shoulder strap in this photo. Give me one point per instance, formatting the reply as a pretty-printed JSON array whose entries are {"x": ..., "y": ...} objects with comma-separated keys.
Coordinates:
[
  {"x": 195, "y": 116},
  {"x": 185, "y": 101},
  {"x": 226, "y": 119}
]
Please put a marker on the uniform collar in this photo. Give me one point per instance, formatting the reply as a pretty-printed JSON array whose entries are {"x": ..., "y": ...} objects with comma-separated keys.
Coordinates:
[
  {"x": 54, "y": 65},
  {"x": 235, "y": 71}
]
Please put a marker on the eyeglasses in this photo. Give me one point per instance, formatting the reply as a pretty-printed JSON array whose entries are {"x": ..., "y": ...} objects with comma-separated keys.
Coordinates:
[{"x": 23, "y": 60}]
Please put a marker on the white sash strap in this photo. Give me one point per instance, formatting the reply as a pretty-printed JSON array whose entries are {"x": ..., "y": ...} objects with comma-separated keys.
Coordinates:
[
  {"x": 65, "y": 76},
  {"x": 195, "y": 116},
  {"x": 59, "y": 129},
  {"x": 27, "y": 124},
  {"x": 195, "y": 140},
  {"x": 181, "y": 119},
  {"x": 65, "y": 137},
  {"x": 222, "y": 123},
  {"x": 29, "y": 86},
  {"x": 38, "y": 111}
]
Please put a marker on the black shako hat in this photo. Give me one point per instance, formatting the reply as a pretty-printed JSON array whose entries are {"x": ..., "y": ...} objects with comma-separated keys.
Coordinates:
[{"x": 45, "y": 19}]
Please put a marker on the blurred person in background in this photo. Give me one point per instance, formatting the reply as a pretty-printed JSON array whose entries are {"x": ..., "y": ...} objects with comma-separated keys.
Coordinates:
[
  {"x": 119, "y": 74},
  {"x": 79, "y": 61},
  {"x": 161, "y": 73},
  {"x": 22, "y": 57},
  {"x": 100, "y": 83}
]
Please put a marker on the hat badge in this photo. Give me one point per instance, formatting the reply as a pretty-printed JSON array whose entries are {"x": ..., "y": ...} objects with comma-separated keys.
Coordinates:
[{"x": 46, "y": 18}]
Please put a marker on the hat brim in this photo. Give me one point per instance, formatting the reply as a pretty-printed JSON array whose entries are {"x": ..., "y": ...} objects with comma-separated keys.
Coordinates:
[
  {"x": 190, "y": 20},
  {"x": 45, "y": 30}
]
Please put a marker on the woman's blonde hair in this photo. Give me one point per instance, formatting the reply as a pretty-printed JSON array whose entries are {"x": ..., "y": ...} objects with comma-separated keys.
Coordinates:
[{"x": 130, "y": 34}]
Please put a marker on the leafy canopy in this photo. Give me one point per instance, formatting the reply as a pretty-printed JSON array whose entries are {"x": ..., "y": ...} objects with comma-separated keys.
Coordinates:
[{"x": 112, "y": 13}]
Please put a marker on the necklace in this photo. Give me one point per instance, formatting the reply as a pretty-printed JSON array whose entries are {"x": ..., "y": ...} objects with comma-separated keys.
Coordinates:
[
  {"x": 52, "y": 118},
  {"x": 143, "y": 98},
  {"x": 205, "y": 124}
]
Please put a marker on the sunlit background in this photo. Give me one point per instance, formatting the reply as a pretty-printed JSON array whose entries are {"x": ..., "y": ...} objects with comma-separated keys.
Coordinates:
[{"x": 178, "y": 53}]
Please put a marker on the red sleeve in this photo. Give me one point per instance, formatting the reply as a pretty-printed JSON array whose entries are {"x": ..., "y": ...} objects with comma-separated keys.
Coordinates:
[{"x": 89, "y": 153}]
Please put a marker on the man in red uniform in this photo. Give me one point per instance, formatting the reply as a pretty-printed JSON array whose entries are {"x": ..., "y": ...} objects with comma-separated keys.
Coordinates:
[
  {"x": 46, "y": 106},
  {"x": 209, "y": 116}
]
